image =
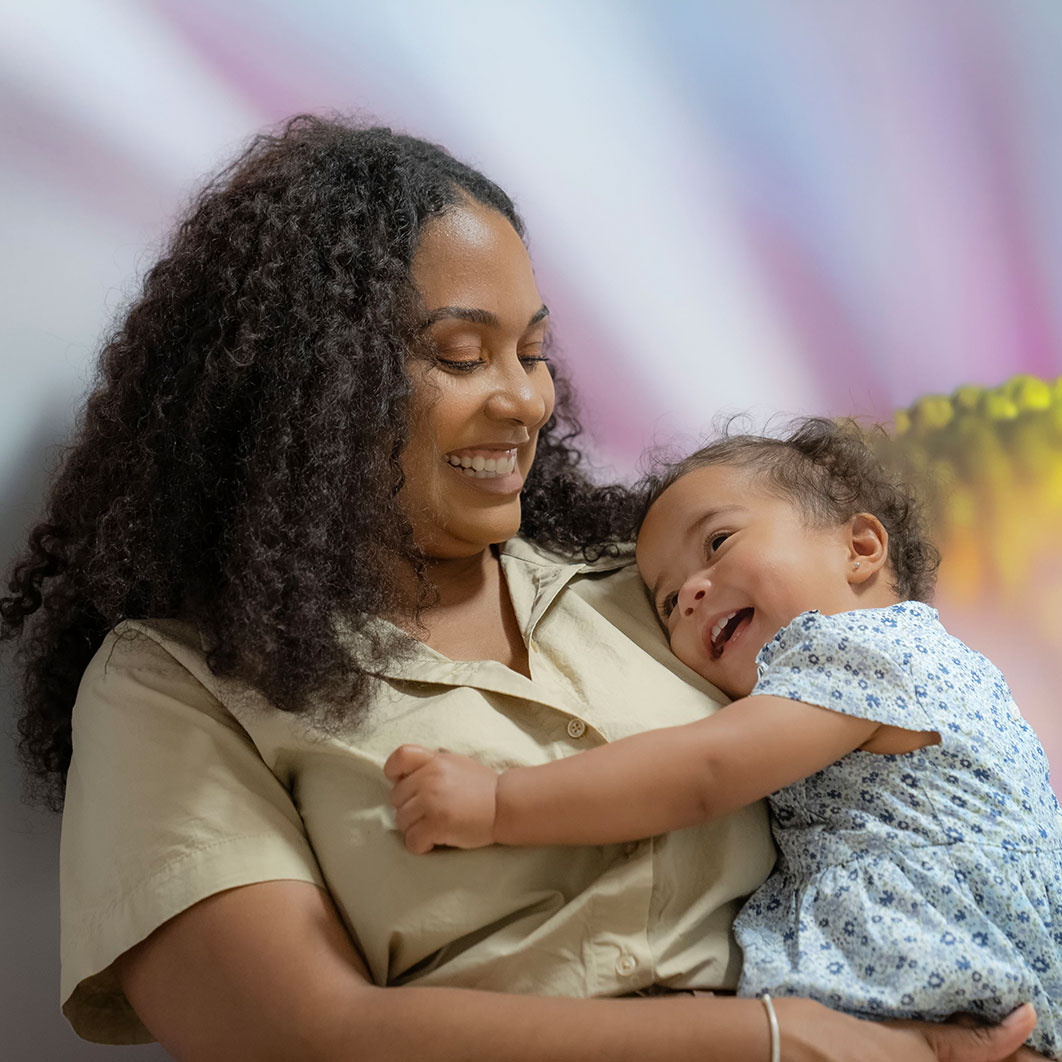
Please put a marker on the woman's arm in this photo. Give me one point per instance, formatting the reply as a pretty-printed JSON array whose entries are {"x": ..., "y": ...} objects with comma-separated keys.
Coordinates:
[
  {"x": 267, "y": 972},
  {"x": 640, "y": 786}
]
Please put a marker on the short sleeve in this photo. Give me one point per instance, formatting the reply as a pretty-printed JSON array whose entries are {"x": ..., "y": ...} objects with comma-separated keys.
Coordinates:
[
  {"x": 167, "y": 803},
  {"x": 845, "y": 663}
]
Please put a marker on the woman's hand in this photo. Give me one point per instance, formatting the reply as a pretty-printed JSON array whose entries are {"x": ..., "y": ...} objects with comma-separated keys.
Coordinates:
[
  {"x": 949, "y": 1043},
  {"x": 441, "y": 798},
  {"x": 812, "y": 1033}
]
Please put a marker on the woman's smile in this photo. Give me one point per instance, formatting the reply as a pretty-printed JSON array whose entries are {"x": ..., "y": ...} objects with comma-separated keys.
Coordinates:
[
  {"x": 504, "y": 478},
  {"x": 494, "y": 463}
]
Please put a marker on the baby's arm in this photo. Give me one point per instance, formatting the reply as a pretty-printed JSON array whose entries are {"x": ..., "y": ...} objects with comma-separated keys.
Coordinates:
[{"x": 636, "y": 787}]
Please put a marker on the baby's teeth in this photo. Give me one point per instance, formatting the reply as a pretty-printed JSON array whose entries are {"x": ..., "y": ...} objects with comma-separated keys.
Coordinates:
[{"x": 718, "y": 628}]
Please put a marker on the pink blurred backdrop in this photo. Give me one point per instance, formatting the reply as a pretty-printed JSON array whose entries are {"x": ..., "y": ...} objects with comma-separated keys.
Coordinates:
[{"x": 758, "y": 206}]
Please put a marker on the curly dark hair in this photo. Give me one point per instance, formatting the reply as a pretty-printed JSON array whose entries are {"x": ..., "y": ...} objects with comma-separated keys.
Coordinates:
[
  {"x": 830, "y": 470},
  {"x": 238, "y": 464}
]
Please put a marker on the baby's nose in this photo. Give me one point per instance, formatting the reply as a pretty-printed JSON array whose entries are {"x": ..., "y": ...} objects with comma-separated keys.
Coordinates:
[
  {"x": 696, "y": 597},
  {"x": 692, "y": 593}
]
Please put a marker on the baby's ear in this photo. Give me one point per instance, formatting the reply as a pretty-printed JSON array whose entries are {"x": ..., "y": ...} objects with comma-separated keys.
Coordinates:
[{"x": 868, "y": 547}]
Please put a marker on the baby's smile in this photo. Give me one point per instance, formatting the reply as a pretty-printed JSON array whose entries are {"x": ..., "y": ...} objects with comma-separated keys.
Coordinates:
[{"x": 728, "y": 628}]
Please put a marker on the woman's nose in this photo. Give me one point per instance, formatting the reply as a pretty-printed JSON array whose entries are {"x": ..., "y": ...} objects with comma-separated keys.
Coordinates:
[
  {"x": 522, "y": 396},
  {"x": 692, "y": 593}
]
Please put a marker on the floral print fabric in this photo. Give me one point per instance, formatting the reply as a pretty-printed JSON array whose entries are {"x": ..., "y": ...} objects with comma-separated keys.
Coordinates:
[{"x": 913, "y": 885}]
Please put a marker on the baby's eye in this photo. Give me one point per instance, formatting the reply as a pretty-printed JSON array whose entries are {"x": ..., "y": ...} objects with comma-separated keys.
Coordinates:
[
  {"x": 667, "y": 606},
  {"x": 715, "y": 540}
]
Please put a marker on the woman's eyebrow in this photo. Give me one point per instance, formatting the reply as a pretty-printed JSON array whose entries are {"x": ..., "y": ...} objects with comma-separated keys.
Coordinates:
[{"x": 476, "y": 316}]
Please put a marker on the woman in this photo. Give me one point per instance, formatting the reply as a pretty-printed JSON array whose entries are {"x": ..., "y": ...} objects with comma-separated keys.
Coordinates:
[{"x": 272, "y": 556}]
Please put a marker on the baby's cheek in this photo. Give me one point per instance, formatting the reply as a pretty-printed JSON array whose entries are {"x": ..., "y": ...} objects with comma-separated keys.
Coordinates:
[{"x": 688, "y": 650}]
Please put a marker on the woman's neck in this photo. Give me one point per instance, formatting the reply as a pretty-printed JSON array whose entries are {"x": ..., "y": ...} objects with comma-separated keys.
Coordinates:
[
  {"x": 461, "y": 579},
  {"x": 473, "y": 616}
]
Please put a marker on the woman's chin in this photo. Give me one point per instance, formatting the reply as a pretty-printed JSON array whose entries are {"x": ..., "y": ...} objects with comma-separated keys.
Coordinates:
[{"x": 467, "y": 538}]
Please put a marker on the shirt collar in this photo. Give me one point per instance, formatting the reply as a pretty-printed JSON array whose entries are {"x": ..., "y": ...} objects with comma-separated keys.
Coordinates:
[{"x": 535, "y": 577}]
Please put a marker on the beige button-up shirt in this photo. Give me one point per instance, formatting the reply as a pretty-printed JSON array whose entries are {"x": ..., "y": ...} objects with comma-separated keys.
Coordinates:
[{"x": 183, "y": 784}]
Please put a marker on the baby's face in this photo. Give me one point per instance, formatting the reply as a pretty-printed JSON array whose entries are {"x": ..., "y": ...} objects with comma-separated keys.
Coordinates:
[{"x": 728, "y": 564}]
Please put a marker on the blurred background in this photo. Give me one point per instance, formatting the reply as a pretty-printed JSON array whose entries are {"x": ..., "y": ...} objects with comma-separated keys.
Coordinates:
[{"x": 746, "y": 206}]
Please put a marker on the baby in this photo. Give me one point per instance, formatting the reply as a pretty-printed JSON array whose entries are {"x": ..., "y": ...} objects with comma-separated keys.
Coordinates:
[{"x": 920, "y": 844}]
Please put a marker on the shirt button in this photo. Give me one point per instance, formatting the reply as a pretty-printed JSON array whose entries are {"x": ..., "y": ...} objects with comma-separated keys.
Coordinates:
[
  {"x": 626, "y": 965},
  {"x": 576, "y": 728}
]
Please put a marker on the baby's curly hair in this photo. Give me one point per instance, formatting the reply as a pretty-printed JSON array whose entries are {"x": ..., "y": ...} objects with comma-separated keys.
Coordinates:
[
  {"x": 238, "y": 464},
  {"x": 830, "y": 471}
]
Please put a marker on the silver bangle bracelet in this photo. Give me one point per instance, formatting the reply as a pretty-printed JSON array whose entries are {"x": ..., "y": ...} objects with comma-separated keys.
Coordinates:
[{"x": 772, "y": 1022}]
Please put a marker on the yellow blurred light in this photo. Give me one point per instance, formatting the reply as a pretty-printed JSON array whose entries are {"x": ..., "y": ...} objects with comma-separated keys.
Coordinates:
[{"x": 989, "y": 460}]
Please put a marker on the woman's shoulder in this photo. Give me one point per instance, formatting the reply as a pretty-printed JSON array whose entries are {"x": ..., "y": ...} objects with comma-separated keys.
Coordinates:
[
  {"x": 165, "y": 647},
  {"x": 162, "y": 662},
  {"x": 169, "y": 801},
  {"x": 136, "y": 642},
  {"x": 609, "y": 586},
  {"x": 534, "y": 553}
]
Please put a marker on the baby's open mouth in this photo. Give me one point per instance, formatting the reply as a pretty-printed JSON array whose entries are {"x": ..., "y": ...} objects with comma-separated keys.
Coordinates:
[{"x": 726, "y": 627}]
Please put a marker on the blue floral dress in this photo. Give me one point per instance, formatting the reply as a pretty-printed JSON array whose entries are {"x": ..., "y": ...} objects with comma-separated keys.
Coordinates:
[{"x": 913, "y": 885}]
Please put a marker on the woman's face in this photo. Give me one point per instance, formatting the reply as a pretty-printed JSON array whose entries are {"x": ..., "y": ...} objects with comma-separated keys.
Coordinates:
[{"x": 484, "y": 391}]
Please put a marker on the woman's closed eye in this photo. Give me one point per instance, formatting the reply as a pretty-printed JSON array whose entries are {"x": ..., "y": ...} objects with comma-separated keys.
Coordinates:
[
  {"x": 459, "y": 359},
  {"x": 530, "y": 361},
  {"x": 458, "y": 365},
  {"x": 667, "y": 606},
  {"x": 532, "y": 353},
  {"x": 457, "y": 362}
]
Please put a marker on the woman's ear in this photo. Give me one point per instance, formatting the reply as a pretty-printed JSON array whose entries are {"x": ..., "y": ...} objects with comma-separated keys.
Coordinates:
[{"x": 868, "y": 547}]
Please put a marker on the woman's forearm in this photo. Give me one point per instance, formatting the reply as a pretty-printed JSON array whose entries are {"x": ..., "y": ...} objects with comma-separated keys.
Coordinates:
[
  {"x": 456, "y": 1025},
  {"x": 267, "y": 972}
]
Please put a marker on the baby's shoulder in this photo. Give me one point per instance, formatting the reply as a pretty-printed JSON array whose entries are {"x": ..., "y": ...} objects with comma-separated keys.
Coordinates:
[
  {"x": 883, "y": 627},
  {"x": 892, "y": 637}
]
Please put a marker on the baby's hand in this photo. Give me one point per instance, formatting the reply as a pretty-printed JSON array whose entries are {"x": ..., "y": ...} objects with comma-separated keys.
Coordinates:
[{"x": 441, "y": 798}]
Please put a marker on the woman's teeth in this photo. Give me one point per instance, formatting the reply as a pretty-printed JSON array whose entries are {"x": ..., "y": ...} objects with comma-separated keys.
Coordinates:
[{"x": 481, "y": 467}]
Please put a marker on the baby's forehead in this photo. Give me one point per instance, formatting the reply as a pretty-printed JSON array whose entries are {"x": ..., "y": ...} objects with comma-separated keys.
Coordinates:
[{"x": 712, "y": 488}]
